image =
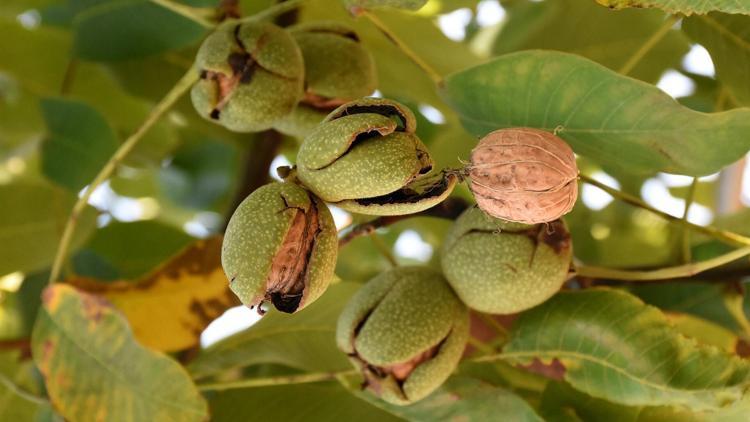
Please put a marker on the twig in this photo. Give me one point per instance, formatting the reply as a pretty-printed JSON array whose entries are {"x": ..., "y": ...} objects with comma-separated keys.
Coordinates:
[
  {"x": 434, "y": 75},
  {"x": 686, "y": 254},
  {"x": 195, "y": 14},
  {"x": 648, "y": 45},
  {"x": 271, "y": 381},
  {"x": 450, "y": 209},
  {"x": 169, "y": 99},
  {"x": 680, "y": 271},
  {"x": 727, "y": 236},
  {"x": 383, "y": 249}
]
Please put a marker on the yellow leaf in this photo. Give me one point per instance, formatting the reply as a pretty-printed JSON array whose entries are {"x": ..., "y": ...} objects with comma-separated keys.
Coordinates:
[{"x": 168, "y": 309}]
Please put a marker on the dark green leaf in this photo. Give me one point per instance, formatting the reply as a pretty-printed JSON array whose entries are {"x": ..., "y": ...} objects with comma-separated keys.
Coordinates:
[
  {"x": 80, "y": 142},
  {"x": 606, "y": 117},
  {"x": 131, "y": 29}
]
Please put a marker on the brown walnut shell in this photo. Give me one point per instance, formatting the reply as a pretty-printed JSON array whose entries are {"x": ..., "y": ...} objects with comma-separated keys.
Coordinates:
[{"x": 525, "y": 175}]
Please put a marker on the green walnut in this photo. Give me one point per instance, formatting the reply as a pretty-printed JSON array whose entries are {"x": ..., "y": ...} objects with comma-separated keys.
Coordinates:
[
  {"x": 251, "y": 75},
  {"x": 366, "y": 158},
  {"x": 280, "y": 246},
  {"x": 338, "y": 69},
  {"x": 405, "y": 330},
  {"x": 502, "y": 267}
]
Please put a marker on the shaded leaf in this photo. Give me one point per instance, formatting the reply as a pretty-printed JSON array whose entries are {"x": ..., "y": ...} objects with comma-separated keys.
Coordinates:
[
  {"x": 15, "y": 406},
  {"x": 95, "y": 370},
  {"x": 169, "y": 309},
  {"x": 295, "y": 402},
  {"x": 616, "y": 348},
  {"x": 727, "y": 39},
  {"x": 79, "y": 144},
  {"x": 31, "y": 222},
  {"x": 139, "y": 247},
  {"x": 609, "y": 118},
  {"x": 465, "y": 398},
  {"x": 686, "y": 7},
  {"x": 119, "y": 30},
  {"x": 305, "y": 340},
  {"x": 611, "y": 38}
]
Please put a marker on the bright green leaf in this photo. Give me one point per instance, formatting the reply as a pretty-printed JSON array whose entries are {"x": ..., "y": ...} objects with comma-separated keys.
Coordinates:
[
  {"x": 611, "y": 38},
  {"x": 31, "y": 221},
  {"x": 131, "y": 29},
  {"x": 375, "y": 4},
  {"x": 609, "y": 118},
  {"x": 83, "y": 346},
  {"x": 616, "y": 348},
  {"x": 727, "y": 39},
  {"x": 305, "y": 340},
  {"x": 686, "y": 7},
  {"x": 79, "y": 144}
]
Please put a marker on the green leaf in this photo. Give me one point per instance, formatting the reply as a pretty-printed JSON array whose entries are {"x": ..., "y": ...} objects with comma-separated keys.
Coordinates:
[
  {"x": 611, "y": 38},
  {"x": 15, "y": 405},
  {"x": 727, "y": 39},
  {"x": 82, "y": 345},
  {"x": 616, "y": 348},
  {"x": 31, "y": 221},
  {"x": 612, "y": 119},
  {"x": 305, "y": 340},
  {"x": 376, "y": 4},
  {"x": 686, "y": 7},
  {"x": 295, "y": 402},
  {"x": 120, "y": 30},
  {"x": 139, "y": 247},
  {"x": 79, "y": 144},
  {"x": 466, "y": 398}
]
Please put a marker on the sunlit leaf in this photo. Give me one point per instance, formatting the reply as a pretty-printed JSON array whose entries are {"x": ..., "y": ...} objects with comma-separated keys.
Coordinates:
[
  {"x": 79, "y": 144},
  {"x": 95, "y": 370},
  {"x": 168, "y": 309},
  {"x": 606, "y": 117},
  {"x": 727, "y": 39},
  {"x": 686, "y": 7},
  {"x": 374, "y": 4},
  {"x": 616, "y": 348},
  {"x": 611, "y": 38},
  {"x": 305, "y": 340}
]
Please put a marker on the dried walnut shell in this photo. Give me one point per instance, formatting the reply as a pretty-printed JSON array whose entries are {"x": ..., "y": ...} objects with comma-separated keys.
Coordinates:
[{"x": 524, "y": 175}]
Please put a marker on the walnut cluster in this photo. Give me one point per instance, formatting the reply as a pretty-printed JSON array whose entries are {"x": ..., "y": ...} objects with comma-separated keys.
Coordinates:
[{"x": 524, "y": 175}]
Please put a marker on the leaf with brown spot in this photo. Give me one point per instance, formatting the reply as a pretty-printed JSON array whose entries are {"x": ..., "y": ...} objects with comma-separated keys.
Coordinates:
[
  {"x": 94, "y": 370},
  {"x": 168, "y": 309}
]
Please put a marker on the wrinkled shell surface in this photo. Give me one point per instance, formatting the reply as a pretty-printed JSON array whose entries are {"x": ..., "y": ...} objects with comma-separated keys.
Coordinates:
[
  {"x": 258, "y": 238},
  {"x": 524, "y": 175},
  {"x": 251, "y": 76},
  {"x": 393, "y": 321},
  {"x": 502, "y": 267}
]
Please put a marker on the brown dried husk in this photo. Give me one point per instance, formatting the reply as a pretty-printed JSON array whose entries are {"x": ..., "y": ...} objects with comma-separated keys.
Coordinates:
[{"x": 525, "y": 175}]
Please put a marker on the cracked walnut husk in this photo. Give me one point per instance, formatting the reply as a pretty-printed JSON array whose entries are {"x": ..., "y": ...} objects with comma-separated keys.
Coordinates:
[{"x": 280, "y": 246}]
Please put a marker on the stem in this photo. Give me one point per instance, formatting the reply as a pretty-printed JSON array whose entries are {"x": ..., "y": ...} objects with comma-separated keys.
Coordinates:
[
  {"x": 686, "y": 254},
  {"x": 383, "y": 249},
  {"x": 193, "y": 13},
  {"x": 12, "y": 386},
  {"x": 680, "y": 271},
  {"x": 434, "y": 75},
  {"x": 271, "y": 381},
  {"x": 724, "y": 235},
  {"x": 69, "y": 76},
  {"x": 275, "y": 10},
  {"x": 648, "y": 45},
  {"x": 172, "y": 96},
  {"x": 487, "y": 319}
]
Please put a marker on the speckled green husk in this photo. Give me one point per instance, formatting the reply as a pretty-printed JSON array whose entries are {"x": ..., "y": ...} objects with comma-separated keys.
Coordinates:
[
  {"x": 397, "y": 316},
  {"x": 275, "y": 85},
  {"x": 256, "y": 232},
  {"x": 502, "y": 267}
]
